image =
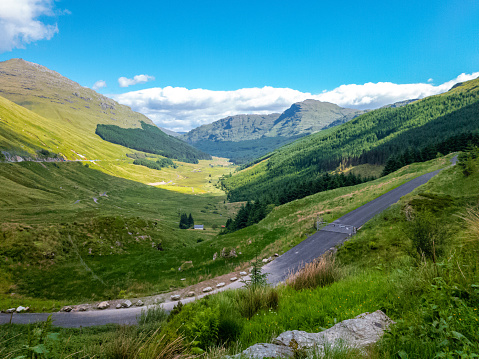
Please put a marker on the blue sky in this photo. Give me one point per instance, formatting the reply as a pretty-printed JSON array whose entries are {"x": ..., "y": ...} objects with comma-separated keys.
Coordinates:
[{"x": 309, "y": 47}]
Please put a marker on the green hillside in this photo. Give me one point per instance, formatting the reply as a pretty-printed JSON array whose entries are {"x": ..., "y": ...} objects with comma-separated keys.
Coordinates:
[
  {"x": 66, "y": 118},
  {"x": 151, "y": 139},
  {"x": 245, "y": 137},
  {"x": 369, "y": 139},
  {"x": 56, "y": 214}
]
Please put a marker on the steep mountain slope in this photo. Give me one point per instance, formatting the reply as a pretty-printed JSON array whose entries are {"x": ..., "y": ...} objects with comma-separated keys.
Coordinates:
[
  {"x": 370, "y": 138},
  {"x": 244, "y": 137},
  {"x": 71, "y": 111}
]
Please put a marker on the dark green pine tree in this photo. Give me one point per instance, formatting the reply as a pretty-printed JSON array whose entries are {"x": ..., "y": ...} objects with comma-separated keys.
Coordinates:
[
  {"x": 184, "y": 221},
  {"x": 191, "y": 221}
]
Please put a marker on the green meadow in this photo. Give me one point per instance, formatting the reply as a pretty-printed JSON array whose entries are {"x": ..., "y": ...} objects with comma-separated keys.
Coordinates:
[
  {"x": 432, "y": 296},
  {"x": 53, "y": 225}
]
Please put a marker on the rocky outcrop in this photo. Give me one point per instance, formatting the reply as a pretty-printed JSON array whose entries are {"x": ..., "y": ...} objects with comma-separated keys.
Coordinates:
[{"x": 359, "y": 332}]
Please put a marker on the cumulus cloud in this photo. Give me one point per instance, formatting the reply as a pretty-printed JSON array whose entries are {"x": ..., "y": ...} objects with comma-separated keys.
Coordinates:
[
  {"x": 181, "y": 109},
  {"x": 138, "y": 79},
  {"x": 20, "y": 24},
  {"x": 98, "y": 85}
]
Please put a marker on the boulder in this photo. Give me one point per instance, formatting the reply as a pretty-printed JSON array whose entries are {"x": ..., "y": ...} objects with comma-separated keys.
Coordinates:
[
  {"x": 82, "y": 308},
  {"x": 243, "y": 273},
  {"x": 266, "y": 351},
  {"x": 11, "y": 310},
  {"x": 66, "y": 308},
  {"x": 190, "y": 294},
  {"x": 207, "y": 289},
  {"x": 359, "y": 332},
  {"x": 103, "y": 305},
  {"x": 219, "y": 285},
  {"x": 126, "y": 304},
  {"x": 139, "y": 303},
  {"x": 175, "y": 297},
  {"x": 21, "y": 309},
  {"x": 233, "y": 279},
  {"x": 118, "y": 306}
]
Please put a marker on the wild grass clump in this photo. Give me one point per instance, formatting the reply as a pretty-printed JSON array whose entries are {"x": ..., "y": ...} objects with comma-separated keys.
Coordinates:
[
  {"x": 154, "y": 314},
  {"x": 322, "y": 272},
  {"x": 254, "y": 299}
]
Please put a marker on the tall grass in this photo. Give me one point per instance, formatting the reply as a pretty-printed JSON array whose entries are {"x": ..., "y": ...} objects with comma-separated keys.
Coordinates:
[
  {"x": 253, "y": 299},
  {"x": 319, "y": 273}
]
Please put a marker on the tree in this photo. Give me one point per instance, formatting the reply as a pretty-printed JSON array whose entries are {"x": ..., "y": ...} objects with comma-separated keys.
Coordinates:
[
  {"x": 191, "y": 221},
  {"x": 184, "y": 221}
]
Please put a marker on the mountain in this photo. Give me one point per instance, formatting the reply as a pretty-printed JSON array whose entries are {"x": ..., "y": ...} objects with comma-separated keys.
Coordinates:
[
  {"x": 244, "y": 137},
  {"x": 420, "y": 129},
  {"x": 171, "y": 133},
  {"x": 69, "y": 115}
]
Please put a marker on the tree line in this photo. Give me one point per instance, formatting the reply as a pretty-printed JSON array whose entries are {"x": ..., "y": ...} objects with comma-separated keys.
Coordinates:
[
  {"x": 156, "y": 165},
  {"x": 410, "y": 155},
  {"x": 186, "y": 221},
  {"x": 151, "y": 139}
]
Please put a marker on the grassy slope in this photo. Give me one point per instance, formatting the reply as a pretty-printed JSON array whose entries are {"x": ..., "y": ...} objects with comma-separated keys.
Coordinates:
[
  {"x": 39, "y": 108},
  {"x": 38, "y": 198},
  {"x": 43, "y": 203},
  {"x": 384, "y": 276},
  {"x": 27, "y": 132}
]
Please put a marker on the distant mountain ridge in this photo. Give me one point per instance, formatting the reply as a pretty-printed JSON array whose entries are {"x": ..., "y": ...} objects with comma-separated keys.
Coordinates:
[{"x": 244, "y": 137}]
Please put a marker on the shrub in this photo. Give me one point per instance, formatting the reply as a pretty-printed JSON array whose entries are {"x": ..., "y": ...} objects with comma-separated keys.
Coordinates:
[
  {"x": 319, "y": 273},
  {"x": 426, "y": 234}
]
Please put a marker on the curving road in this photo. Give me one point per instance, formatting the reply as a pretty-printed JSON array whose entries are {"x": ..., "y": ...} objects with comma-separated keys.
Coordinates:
[{"x": 311, "y": 248}]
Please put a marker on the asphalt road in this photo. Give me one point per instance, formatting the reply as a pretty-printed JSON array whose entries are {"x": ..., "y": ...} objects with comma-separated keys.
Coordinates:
[
  {"x": 336, "y": 232},
  {"x": 308, "y": 250}
]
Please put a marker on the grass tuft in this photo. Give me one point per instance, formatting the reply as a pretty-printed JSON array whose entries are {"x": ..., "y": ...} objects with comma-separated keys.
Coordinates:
[{"x": 320, "y": 273}]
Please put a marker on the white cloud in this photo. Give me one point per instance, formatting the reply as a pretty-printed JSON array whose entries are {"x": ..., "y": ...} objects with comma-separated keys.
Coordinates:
[
  {"x": 19, "y": 24},
  {"x": 181, "y": 109},
  {"x": 98, "y": 85},
  {"x": 430, "y": 80},
  {"x": 138, "y": 79}
]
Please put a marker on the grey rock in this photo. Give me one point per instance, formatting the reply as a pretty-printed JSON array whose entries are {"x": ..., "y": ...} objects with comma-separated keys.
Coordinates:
[
  {"x": 82, "y": 308},
  {"x": 243, "y": 273},
  {"x": 219, "y": 285},
  {"x": 215, "y": 256},
  {"x": 126, "y": 304},
  {"x": 266, "y": 351},
  {"x": 21, "y": 309},
  {"x": 139, "y": 303},
  {"x": 66, "y": 308},
  {"x": 11, "y": 310},
  {"x": 207, "y": 289},
  {"x": 103, "y": 305},
  {"x": 359, "y": 332},
  {"x": 233, "y": 279},
  {"x": 190, "y": 294},
  {"x": 175, "y": 297},
  {"x": 118, "y": 306}
]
